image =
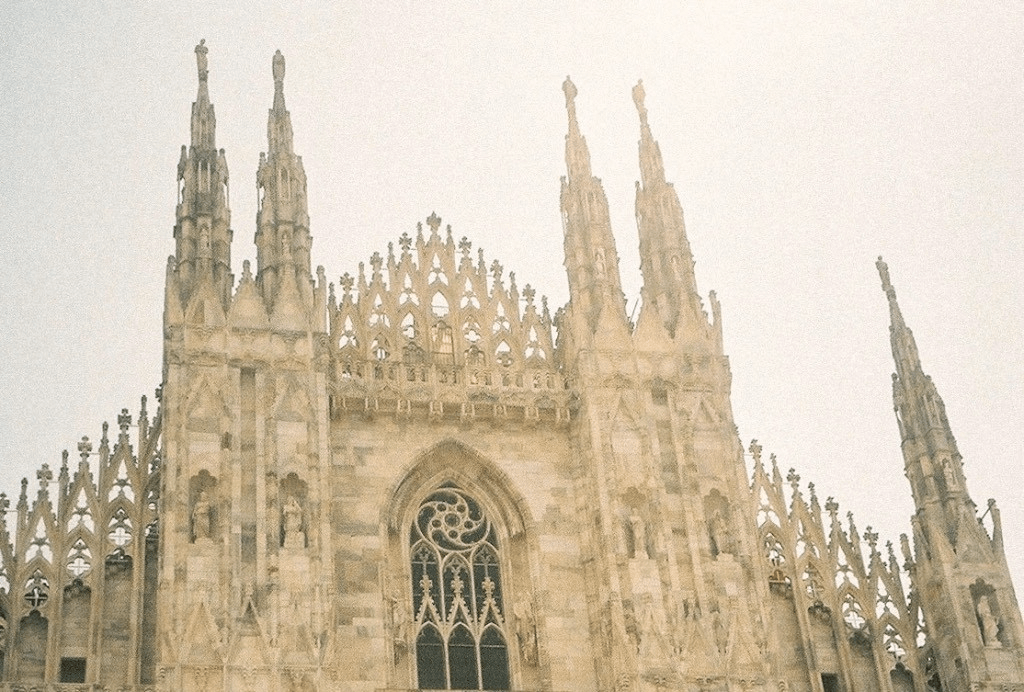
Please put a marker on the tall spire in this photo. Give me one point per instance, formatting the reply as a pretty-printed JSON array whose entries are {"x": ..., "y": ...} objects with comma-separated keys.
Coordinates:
[
  {"x": 591, "y": 261},
  {"x": 960, "y": 571},
  {"x": 666, "y": 261},
  {"x": 577, "y": 156},
  {"x": 652, "y": 170},
  {"x": 202, "y": 229},
  {"x": 282, "y": 221},
  {"x": 904, "y": 347}
]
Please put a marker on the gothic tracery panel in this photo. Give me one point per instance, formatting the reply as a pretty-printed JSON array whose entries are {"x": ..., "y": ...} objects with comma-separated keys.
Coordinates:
[{"x": 461, "y": 640}]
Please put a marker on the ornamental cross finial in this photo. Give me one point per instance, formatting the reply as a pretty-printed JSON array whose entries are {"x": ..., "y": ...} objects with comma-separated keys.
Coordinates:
[
  {"x": 405, "y": 242},
  {"x": 496, "y": 270},
  {"x": 832, "y": 507},
  {"x": 794, "y": 478},
  {"x": 465, "y": 246},
  {"x": 434, "y": 221},
  {"x": 346, "y": 282},
  {"x": 84, "y": 449},
  {"x": 528, "y": 293},
  {"x": 124, "y": 419},
  {"x": 45, "y": 475},
  {"x": 755, "y": 451},
  {"x": 5, "y": 504},
  {"x": 376, "y": 262},
  {"x": 871, "y": 537}
]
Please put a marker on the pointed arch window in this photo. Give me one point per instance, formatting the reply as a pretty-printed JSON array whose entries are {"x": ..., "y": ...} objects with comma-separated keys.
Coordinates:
[{"x": 461, "y": 641}]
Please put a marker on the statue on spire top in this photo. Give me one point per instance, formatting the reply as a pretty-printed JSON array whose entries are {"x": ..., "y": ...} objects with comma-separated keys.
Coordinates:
[
  {"x": 638, "y": 98},
  {"x": 278, "y": 67},
  {"x": 201, "y": 64},
  {"x": 570, "y": 91}
]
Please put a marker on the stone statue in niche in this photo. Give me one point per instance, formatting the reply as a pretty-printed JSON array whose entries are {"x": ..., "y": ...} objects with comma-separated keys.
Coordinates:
[
  {"x": 202, "y": 518},
  {"x": 948, "y": 475},
  {"x": 526, "y": 632},
  {"x": 638, "y": 531},
  {"x": 292, "y": 519},
  {"x": 718, "y": 533},
  {"x": 400, "y": 624},
  {"x": 988, "y": 623}
]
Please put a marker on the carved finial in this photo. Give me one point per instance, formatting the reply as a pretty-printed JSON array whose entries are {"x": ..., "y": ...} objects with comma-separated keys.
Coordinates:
[
  {"x": 832, "y": 507},
  {"x": 814, "y": 496},
  {"x": 638, "y": 99},
  {"x": 496, "y": 270},
  {"x": 5, "y": 504},
  {"x": 528, "y": 293},
  {"x": 755, "y": 451},
  {"x": 405, "y": 242},
  {"x": 448, "y": 234},
  {"x": 391, "y": 253},
  {"x": 64, "y": 461},
  {"x": 84, "y": 449},
  {"x": 201, "y": 63},
  {"x": 794, "y": 479},
  {"x": 45, "y": 475},
  {"x": 434, "y": 221},
  {"x": 871, "y": 537},
  {"x": 464, "y": 247},
  {"x": 346, "y": 282},
  {"x": 376, "y": 262},
  {"x": 143, "y": 413},
  {"x": 24, "y": 491},
  {"x": 246, "y": 271},
  {"x": 124, "y": 419}
]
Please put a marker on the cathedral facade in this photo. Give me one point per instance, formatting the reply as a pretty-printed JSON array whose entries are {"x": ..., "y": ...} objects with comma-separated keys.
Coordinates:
[{"x": 419, "y": 478}]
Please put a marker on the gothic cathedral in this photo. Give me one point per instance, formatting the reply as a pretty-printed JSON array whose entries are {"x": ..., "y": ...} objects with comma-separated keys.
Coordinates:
[{"x": 407, "y": 481}]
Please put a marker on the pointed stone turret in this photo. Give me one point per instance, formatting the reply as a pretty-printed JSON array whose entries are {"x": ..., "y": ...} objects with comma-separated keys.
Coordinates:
[
  {"x": 960, "y": 571},
  {"x": 282, "y": 227},
  {"x": 921, "y": 414},
  {"x": 203, "y": 225},
  {"x": 591, "y": 260},
  {"x": 665, "y": 258}
]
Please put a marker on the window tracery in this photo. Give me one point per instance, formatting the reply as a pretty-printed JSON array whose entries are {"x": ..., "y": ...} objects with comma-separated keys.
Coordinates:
[{"x": 459, "y": 618}]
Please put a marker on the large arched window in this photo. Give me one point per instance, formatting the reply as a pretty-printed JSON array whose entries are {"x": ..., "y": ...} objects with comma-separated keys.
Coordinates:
[{"x": 461, "y": 641}]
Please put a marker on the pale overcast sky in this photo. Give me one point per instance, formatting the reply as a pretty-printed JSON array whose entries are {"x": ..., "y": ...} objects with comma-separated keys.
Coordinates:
[{"x": 804, "y": 140}]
